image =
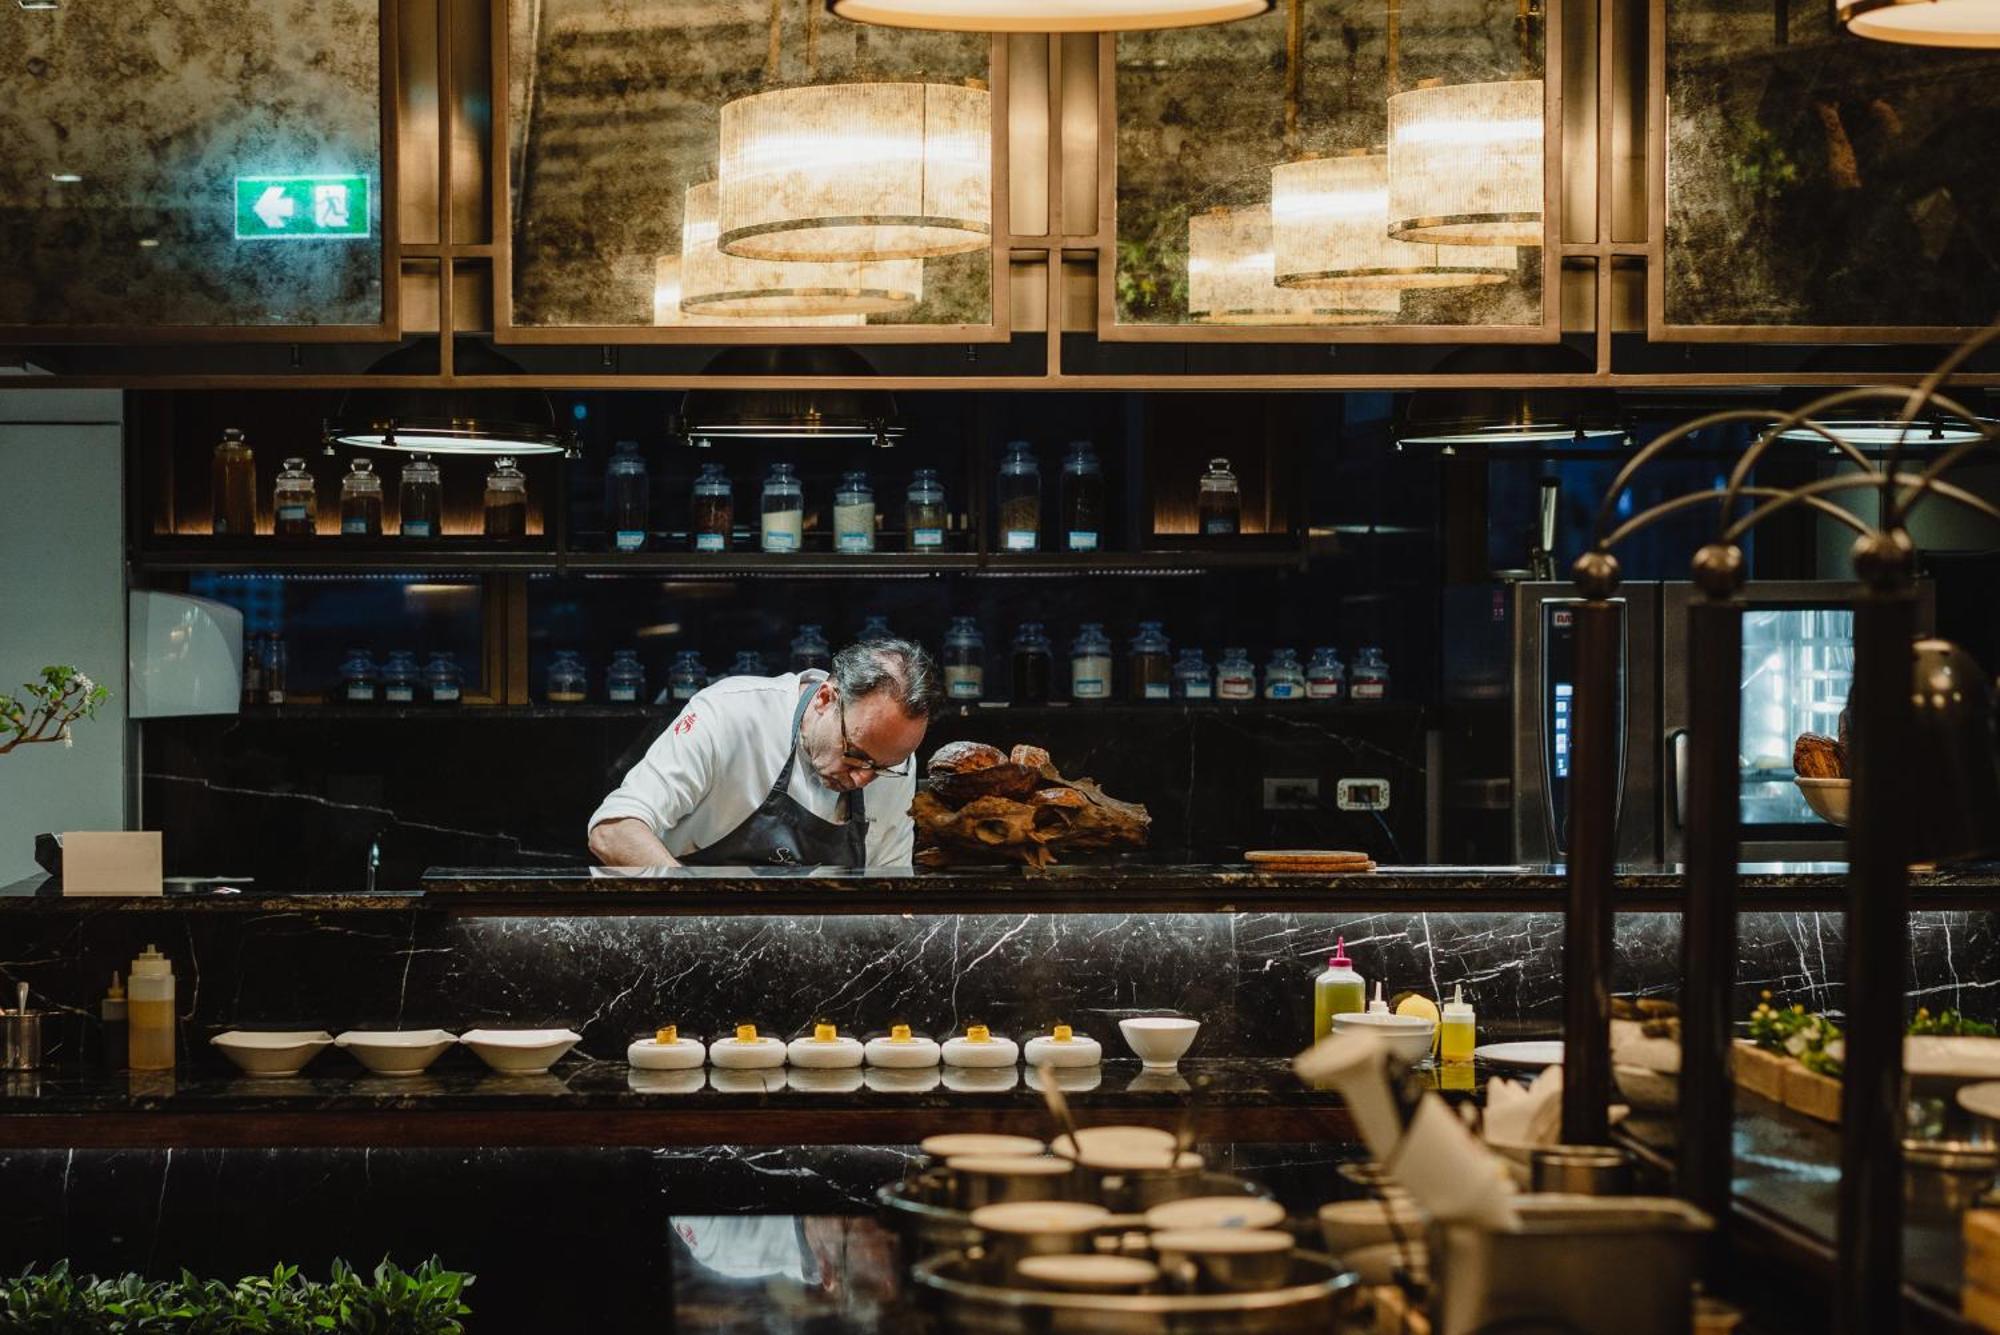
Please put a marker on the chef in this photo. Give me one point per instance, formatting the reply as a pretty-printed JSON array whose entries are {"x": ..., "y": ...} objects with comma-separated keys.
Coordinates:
[{"x": 807, "y": 769}]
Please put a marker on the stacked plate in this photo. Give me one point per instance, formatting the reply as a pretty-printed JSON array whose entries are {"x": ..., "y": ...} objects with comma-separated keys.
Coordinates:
[{"x": 1309, "y": 861}]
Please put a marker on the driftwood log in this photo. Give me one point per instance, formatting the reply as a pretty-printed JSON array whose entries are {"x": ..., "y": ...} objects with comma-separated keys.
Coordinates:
[{"x": 979, "y": 804}]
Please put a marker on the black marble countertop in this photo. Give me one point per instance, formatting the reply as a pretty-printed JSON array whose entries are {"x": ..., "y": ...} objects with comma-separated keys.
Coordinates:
[{"x": 1137, "y": 887}]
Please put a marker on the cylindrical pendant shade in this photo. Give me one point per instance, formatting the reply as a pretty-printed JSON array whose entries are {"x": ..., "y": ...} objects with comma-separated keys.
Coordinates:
[
  {"x": 1229, "y": 278},
  {"x": 1330, "y": 228},
  {"x": 1465, "y": 164},
  {"x": 1969, "y": 24},
  {"x": 1046, "y": 15},
  {"x": 859, "y": 171},
  {"x": 713, "y": 283},
  {"x": 667, "y": 308}
]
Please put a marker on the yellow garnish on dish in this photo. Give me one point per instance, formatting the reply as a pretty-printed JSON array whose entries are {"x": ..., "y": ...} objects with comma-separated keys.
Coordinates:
[
  {"x": 1063, "y": 1033},
  {"x": 824, "y": 1033},
  {"x": 746, "y": 1033},
  {"x": 899, "y": 1033},
  {"x": 978, "y": 1033},
  {"x": 668, "y": 1033}
]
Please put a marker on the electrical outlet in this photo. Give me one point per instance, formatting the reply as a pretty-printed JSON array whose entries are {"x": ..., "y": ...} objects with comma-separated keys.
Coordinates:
[
  {"x": 1361, "y": 794},
  {"x": 1291, "y": 794}
]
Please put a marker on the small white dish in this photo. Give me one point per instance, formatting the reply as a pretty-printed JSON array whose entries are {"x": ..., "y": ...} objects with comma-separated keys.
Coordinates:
[
  {"x": 1110, "y": 1139},
  {"x": 824, "y": 1050},
  {"x": 1531, "y": 1055},
  {"x": 977, "y": 1049},
  {"x": 677, "y": 1054},
  {"x": 961, "y": 1144},
  {"x": 671, "y": 1080},
  {"x": 1222, "y": 1241},
  {"x": 1159, "y": 1040},
  {"x": 1088, "y": 1274},
  {"x": 1040, "y": 1217},
  {"x": 747, "y": 1080},
  {"x": 902, "y": 1080},
  {"x": 1215, "y": 1212},
  {"x": 1981, "y": 1100},
  {"x": 1408, "y": 1037},
  {"x": 271, "y": 1052},
  {"x": 981, "y": 1079},
  {"x": 1064, "y": 1049},
  {"x": 1827, "y": 797},
  {"x": 824, "y": 1079},
  {"x": 1347, "y": 1226},
  {"x": 397, "y": 1052},
  {"x": 746, "y": 1050},
  {"x": 1952, "y": 1056},
  {"x": 901, "y": 1050},
  {"x": 520, "y": 1051}
]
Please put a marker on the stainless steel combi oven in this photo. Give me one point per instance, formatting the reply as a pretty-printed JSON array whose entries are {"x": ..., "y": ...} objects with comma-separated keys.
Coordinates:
[{"x": 1798, "y": 662}]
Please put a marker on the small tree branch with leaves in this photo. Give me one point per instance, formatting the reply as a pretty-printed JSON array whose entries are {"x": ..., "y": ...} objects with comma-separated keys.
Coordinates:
[{"x": 44, "y": 714}]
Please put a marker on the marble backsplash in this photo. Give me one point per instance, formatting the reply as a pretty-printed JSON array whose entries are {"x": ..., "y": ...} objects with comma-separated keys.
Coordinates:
[{"x": 1247, "y": 976}]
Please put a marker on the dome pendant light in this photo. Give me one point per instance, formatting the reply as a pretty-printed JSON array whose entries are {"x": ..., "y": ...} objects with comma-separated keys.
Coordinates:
[
  {"x": 861, "y": 171},
  {"x": 1329, "y": 228},
  {"x": 1967, "y": 24},
  {"x": 1230, "y": 279},
  {"x": 713, "y": 283},
  {"x": 1465, "y": 164},
  {"x": 1046, "y": 15}
]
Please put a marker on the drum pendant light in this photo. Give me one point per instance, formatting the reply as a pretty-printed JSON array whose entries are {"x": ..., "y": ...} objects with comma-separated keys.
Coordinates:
[
  {"x": 1968, "y": 24},
  {"x": 1330, "y": 228},
  {"x": 861, "y": 171},
  {"x": 713, "y": 283},
  {"x": 1465, "y": 164},
  {"x": 668, "y": 311},
  {"x": 1230, "y": 279},
  {"x": 1046, "y": 15}
]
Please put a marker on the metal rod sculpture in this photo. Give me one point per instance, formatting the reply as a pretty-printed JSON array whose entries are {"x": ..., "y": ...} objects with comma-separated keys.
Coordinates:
[{"x": 1869, "y": 1265}]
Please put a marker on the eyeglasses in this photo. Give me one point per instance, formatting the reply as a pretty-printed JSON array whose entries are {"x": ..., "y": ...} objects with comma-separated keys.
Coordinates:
[{"x": 860, "y": 759}]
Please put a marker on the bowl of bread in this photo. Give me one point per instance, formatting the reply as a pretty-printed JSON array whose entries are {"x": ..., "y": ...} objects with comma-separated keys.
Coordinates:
[
  {"x": 1819, "y": 766},
  {"x": 982, "y": 804}
]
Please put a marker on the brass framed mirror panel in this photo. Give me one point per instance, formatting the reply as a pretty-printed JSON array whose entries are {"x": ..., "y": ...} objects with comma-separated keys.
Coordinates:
[
  {"x": 1804, "y": 182},
  {"x": 545, "y": 293},
  {"x": 124, "y": 255}
]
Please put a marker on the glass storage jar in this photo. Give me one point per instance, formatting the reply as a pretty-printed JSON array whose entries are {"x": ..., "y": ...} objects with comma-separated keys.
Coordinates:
[
  {"x": 628, "y": 498},
  {"x": 1219, "y": 507},
  {"x": 1082, "y": 498},
  {"x": 783, "y": 510},
  {"x": 1020, "y": 499},
  {"x": 712, "y": 513},
  {"x": 361, "y": 501},
  {"x": 1151, "y": 676},
  {"x": 569, "y": 683},
  {"x": 924, "y": 516},
  {"x": 295, "y": 502},
  {"x": 964, "y": 660},
  {"x": 420, "y": 499},
  {"x": 233, "y": 487},
  {"x": 506, "y": 501},
  {"x": 1031, "y": 665},
  {"x": 854, "y": 514}
]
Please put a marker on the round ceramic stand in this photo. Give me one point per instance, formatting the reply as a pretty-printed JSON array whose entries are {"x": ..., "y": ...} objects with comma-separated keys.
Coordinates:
[
  {"x": 981, "y": 1053},
  {"x": 824, "y": 1054},
  {"x": 735, "y": 1080},
  {"x": 906, "y": 1054},
  {"x": 1063, "y": 1053},
  {"x": 649, "y": 1054},
  {"x": 685, "y": 1081},
  {"x": 902, "y": 1080},
  {"x": 824, "y": 1080},
  {"x": 981, "y": 1079},
  {"x": 739, "y": 1054}
]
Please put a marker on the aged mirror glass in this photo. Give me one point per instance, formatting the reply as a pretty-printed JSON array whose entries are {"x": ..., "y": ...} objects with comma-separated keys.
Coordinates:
[
  {"x": 1335, "y": 162},
  {"x": 1817, "y": 178},
  {"x": 745, "y": 162},
  {"x": 191, "y": 162}
]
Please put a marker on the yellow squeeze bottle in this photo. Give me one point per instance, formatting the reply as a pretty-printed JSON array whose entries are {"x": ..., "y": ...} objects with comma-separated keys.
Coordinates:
[
  {"x": 1457, "y": 1033},
  {"x": 1338, "y": 991}
]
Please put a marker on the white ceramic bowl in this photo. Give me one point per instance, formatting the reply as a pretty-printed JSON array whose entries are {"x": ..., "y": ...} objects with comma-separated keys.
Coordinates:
[
  {"x": 400, "y": 1052},
  {"x": 683, "y": 1054},
  {"x": 1115, "y": 1139},
  {"x": 756, "y": 1054},
  {"x": 1040, "y": 1217},
  {"x": 1348, "y": 1226},
  {"x": 520, "y": 1051},
  {"x": 1088, "y": 1274},
  {"x": 1159, "y": 1040},
  {"x": 1215, "y": 1212},
  {"x": 1063, "y": 1054},
  {"x": 1407, "y": 1036},
  {"x": 981, "y": 1054},
  {"x": 958, "y": 1144},
  {"x": 271, "y": 1052},
  {"x": 824, "y": 1054},
  {"x": 1827, "y": 798}
]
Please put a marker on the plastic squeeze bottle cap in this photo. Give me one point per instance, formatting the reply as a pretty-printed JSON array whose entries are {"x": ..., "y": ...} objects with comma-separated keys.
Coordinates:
[
  {"x": 1378, "y": 1006},
  {"x": 150, "y": 964},
  {"x": 1458, "y": 1005},
  {"x": 117, "y": 992},
  {"x": 1340, "y": 960}
]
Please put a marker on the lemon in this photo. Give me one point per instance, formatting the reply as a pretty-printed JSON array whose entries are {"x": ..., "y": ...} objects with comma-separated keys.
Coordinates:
[{"x": 1415, "y": 1003}]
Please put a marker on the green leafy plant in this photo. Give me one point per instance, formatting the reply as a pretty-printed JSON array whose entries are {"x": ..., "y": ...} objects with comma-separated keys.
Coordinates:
[
  {"x": 62, "y": 697},
  {"x": 426, "y": 1301},
  {"x": 1809, "y": 1038},
  {"x": 1950, "y": 1024}
]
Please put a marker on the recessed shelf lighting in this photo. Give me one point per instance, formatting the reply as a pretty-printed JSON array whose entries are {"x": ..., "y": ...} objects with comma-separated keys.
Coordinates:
[
  {"x": 39, "y": 5},
  {"x": 65, "y": 178},
  {"x": 148, "y": 242}
]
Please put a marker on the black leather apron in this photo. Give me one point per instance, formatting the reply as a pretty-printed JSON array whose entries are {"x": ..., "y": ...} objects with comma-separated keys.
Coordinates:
[{"x": 781, "y": 833}]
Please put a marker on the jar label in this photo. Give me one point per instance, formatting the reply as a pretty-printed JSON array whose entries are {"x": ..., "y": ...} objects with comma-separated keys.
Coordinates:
[
  {"x": 966, "y": 688},
  {"x": 1082, "y": 542},
  {"x": 927, "y": 537},
  {"x": 685, "y": 691},
  {"x": 357, "y": 527},
  {"x": 399, "y": 695},
  {"x": 360, "y": 691},
  {"x": 416, "y": 528},
  {"x": 711, "y": 542},
  {"x": 1323, "y": 690},
  {"x": 1197, "y": 690},
  {"x": 1236, "y": 688},
  {"x": 780, "y": 540},
  {"x": 291, "y": 514},
  {"x": 1020, "y": 540},
  {"x": 1158, "y": 690},
  {"x": 1218, "y": 527},
  {"x": 854, "y": 542},
  {"x": 1091, "y": 688},
  {"x": 1280, "y": 690},
  {"x": 276, "y": 697},
  {"x": 623, "y": 695},
  {"x": 1370, "y": 690},
  {"x": 629, "y": 539},
  {"x": 444, "y": 694}
]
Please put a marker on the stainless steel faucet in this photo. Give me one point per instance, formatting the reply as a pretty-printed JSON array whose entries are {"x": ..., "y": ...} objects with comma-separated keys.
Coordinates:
[{"x": 374, "y": 860}]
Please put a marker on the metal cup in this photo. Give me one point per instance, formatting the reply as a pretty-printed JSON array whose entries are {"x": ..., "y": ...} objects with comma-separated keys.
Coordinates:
[
  {"x": 1581, "y": 1170},
  {"x": 20, "y": 1040}
]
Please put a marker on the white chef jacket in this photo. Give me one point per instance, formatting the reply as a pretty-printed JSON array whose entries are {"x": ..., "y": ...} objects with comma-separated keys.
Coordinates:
[{"x": 716, "y": 762}]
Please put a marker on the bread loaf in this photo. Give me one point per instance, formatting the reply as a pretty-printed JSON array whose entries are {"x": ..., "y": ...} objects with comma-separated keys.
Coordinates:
[
  {"x": 1029, "y": 757},
  {"x": 1817, "y": 757},
  {"x": 965, "y": 757}
]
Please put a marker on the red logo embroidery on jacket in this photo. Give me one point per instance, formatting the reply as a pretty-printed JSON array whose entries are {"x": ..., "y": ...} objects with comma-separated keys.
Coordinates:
[{"x": 685, "y": 724}]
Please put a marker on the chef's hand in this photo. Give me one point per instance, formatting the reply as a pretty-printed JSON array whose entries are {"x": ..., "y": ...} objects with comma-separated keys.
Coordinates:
[{"x": 628, "y": 841}]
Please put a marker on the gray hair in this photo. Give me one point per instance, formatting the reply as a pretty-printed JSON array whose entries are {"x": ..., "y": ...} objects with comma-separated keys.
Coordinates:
[{"x": 899, "y": 667}]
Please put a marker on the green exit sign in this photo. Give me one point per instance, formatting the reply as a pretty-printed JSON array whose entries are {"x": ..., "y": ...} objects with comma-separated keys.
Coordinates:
[{"x": 287, "y": 208}]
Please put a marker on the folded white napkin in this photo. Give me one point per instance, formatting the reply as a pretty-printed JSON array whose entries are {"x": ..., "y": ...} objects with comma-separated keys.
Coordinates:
[{"x": 1528, "y": 1114}]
